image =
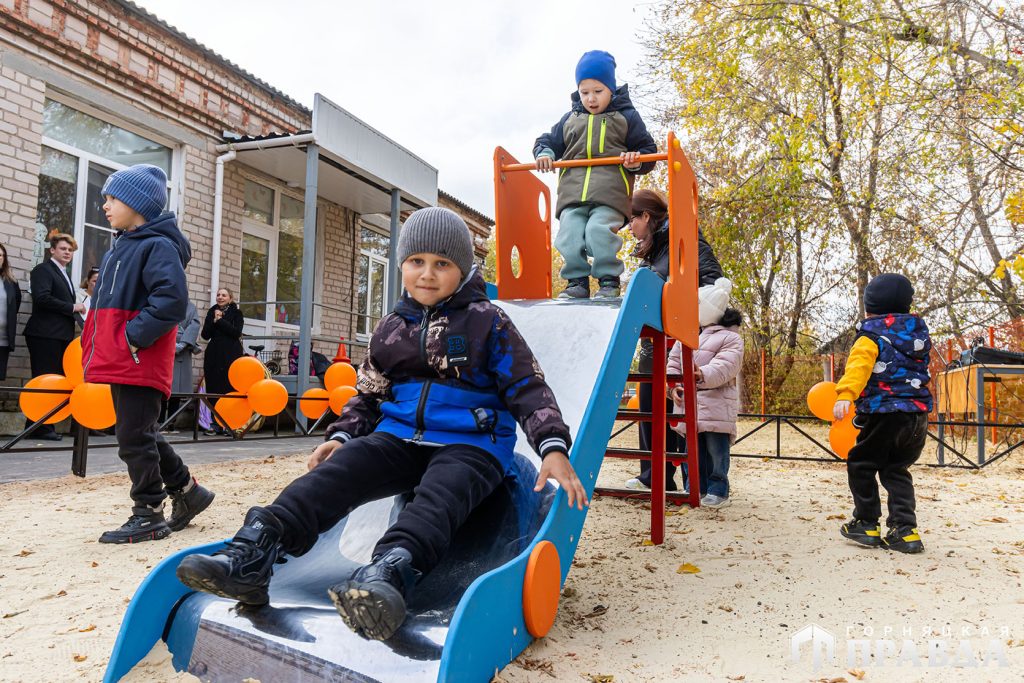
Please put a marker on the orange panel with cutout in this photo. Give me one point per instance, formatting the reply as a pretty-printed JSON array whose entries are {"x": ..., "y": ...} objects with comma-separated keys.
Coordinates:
[
  {"x": 679, "y": 296},
  {"x": 522, "y": 232}
]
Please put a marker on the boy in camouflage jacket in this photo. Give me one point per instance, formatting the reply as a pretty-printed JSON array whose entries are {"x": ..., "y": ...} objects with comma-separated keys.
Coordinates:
[{"x": 445, "y": 380}]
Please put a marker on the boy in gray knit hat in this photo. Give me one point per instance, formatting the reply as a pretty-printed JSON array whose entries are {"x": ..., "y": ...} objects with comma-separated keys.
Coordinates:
[{"x": 446, "y": 378}]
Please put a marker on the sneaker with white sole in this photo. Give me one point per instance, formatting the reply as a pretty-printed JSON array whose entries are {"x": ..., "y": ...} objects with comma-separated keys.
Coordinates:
[
  {"x": 635, "y": 484},
  {"x": 710, "y": 500}
]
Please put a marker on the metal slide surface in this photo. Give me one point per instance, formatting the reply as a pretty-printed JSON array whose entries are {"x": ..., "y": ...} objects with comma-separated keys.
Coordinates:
[{"x": 300, "y": 637}]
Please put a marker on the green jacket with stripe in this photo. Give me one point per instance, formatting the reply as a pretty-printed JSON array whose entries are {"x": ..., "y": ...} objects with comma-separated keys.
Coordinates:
[{"x": 582, "y": 135}]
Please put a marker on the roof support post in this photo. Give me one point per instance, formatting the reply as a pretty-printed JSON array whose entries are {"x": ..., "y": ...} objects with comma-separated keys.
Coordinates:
[
  {"x": 308, "y": 265},
  {"x": 394, "y": 267}
]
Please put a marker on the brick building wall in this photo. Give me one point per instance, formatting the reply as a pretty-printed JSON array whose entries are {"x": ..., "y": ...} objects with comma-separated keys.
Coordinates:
[{"x": 128, "y": 68}]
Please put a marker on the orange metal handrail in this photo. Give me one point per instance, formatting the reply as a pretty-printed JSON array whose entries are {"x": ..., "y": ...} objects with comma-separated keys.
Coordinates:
[{"x": 577, "y": 163}]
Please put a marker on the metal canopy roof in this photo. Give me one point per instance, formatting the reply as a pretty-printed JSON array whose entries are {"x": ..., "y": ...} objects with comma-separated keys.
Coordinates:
[{"x": 358, "y": 165}]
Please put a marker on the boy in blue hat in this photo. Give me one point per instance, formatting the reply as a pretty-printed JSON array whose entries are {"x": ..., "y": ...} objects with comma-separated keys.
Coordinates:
[
  {"x": 887, "y": 376},
  {"x": 594, "y": 201},
  {"x": 128, "y": 342}
]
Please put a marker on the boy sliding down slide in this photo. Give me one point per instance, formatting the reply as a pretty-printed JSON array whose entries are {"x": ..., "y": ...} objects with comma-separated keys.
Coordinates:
[{"x": 446, "y": 377}]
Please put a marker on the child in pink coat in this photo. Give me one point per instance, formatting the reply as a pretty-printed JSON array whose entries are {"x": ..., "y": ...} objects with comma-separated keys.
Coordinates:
[{"x": 717, "y": 363}]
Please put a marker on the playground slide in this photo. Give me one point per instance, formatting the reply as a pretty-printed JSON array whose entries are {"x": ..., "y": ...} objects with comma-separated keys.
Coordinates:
[{"x": 467, "y": 617}]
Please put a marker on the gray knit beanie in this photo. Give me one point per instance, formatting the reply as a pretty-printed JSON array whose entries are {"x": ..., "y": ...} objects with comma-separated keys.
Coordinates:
[{"x": 434, "y": 230}]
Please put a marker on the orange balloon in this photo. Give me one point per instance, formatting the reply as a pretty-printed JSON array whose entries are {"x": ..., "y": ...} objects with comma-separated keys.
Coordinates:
[
  {"x": 234, "y": 410},
  {"x": 821, "y": 398},
  {"x": 339, "y": 375},
  {"x": 93, "y": 405},
  {"x": 244, "y": 372},
  {"x": 633, "y": 403},
  {"x": 268, "y": 397},
  {"x": 843, "y": 435},
  {"x": 36, "y": 405},
  {"x": 340, "y": 396},
  {"x": 313, "y": 409},
  {"x": 73, "y": 363}
]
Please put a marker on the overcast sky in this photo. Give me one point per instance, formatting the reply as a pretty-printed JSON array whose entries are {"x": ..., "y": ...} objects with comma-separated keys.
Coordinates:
[{"x": 447, "y": 80}]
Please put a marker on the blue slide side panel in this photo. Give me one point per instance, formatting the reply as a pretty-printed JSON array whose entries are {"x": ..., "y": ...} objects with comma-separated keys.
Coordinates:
[
  {"x": 146, "y": 617},
  {"x": 488, "y": 630}
]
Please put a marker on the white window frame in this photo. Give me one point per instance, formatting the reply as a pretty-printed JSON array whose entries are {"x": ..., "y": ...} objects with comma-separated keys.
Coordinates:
[
  {"x": 84, "y": 159},
  {"x": 272, "y": 232},
  {"x": 372, "y": 258}
]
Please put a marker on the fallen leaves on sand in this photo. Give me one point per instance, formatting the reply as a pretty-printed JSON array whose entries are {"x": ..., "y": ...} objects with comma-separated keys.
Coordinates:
[
  {"x": 650, "y": 567},
  {"x": 538, "y": 665},
  {"x": 806, "y": 519},
  {"x": 725, "y": 608},
  {"x": 600, "y": 678},
  {"x": 856, "y": 673},
  {"x": 25, "y": 553},
  {"x": 90, "y": 627},
  {"x": 836, "y": 517},
  {"x": 9, "y": 615},
  {"x": 837, "y": 679},
  {"x": 997, "y": 520},
  {"x": 687, "y": 568},
  {"x": 597, "y": 611},
  {"x": 80, "y": 658},
  {"x": 741, "y": 677},
  {"x": 647, "y": 541}
]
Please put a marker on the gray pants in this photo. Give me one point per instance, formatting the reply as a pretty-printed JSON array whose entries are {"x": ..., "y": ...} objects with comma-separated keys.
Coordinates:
[{"x": 584, "y": 231}]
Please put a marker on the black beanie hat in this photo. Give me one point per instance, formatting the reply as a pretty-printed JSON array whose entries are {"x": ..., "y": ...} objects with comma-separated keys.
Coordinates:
[{"x": 888, "y": 293}]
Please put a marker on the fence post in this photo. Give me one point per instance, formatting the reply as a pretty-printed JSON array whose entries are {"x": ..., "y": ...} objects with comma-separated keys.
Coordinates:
[
  {"x": 762, "y": 386},
  {"x": 832, "y": 367},
  {"x": 993, "y": 411}
]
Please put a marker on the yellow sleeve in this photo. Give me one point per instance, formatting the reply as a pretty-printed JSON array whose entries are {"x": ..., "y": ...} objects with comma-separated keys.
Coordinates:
[{"x": 858, "y": 369}]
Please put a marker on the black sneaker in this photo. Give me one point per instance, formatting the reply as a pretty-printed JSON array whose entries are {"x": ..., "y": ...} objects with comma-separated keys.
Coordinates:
[
  {"x": 241, "y": 570},
  {"x": 862, "y": 531},
  {"x": 372, "y": 601},
  {"x": 143, "y": 525},
  {"x": 903, "y": 539},
  {"x": 609, "y": 288},
  {"x": 186, "y": 505},
  {"x": 578, "y": 288}
]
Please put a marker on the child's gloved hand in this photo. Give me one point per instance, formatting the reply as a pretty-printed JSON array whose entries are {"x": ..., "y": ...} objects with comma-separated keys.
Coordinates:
[
  {"x": 556, "y": 466},
  {"x": 322, "y": 452},
  {"x": 629, "y": 160},
  {"x": 840, "y": 409}
]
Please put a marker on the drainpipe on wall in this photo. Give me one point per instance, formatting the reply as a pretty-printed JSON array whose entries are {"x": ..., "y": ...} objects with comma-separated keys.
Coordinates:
[
  {"x": 218, "y": 210},
  {"x": 230, "y": 150}
]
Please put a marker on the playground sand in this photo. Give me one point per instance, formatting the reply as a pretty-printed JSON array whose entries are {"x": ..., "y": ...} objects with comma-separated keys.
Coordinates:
[{"x": 769, "y": 565}]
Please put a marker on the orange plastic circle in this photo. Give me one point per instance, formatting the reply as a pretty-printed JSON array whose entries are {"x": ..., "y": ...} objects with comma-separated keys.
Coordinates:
[{"x": 541, "y": 588}]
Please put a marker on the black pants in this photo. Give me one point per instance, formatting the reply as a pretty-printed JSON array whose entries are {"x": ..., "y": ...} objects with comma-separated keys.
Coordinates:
[
  {"x": 46, "y": 356},
  {"x": 447, "y": 483},
  {"x": 674, "y": 443},
  {"x": 888, "y": 444},
  {"x": 5, "y": 352},
  {"x": 152, "y": 463}
]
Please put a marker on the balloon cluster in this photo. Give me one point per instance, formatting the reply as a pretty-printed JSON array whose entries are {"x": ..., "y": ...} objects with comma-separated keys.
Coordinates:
[
  {"x": 340, "y": 381},
  {"x": 843, "y": 434},
  {"x": 256, "y": 393},
  {"x": 91, "y": 404}
]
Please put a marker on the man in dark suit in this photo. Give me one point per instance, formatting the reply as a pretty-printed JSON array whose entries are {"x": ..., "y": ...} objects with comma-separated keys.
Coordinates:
[{"x": 51, "y": 327}]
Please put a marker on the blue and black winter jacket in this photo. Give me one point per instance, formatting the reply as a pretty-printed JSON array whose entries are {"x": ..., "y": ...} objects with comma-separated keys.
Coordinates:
[
  {"x": 899, "y": 380},
  {"x": 458, "y": 372}
]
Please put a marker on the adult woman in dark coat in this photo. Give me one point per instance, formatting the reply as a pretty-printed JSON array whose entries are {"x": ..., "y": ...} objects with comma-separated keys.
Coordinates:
[
  {"x": 223, "y": 329},
  {"x": 649, "y": 224},
  {"x": 10, "y": 303}
]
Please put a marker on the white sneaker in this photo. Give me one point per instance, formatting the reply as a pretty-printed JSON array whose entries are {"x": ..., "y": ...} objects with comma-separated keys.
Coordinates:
[
  {"x": 710, "y": 500},
  {"x": 635, "y": 484}
]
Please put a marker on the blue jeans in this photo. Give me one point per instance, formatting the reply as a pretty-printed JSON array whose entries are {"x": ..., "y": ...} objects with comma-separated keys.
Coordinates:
[
  {"x": 713, "y": 462},
  {"x": 587, "y": 230}
]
